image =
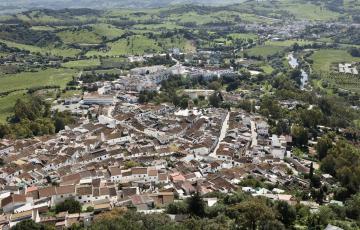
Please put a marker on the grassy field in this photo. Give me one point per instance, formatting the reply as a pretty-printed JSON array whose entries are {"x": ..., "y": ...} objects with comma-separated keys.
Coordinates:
[
  {"x": 340, "y": 81},
  {"x": 71, "y": 93},
  {"x": 135, "y": 45},
  {"x": 34, "y": 79},
  {"x": 79, "y": 64},
  {"x": 43, "y": 28},
  {"x": 243, "y": 36},
  {"x": 107, "y": 30},
  {"x": 39, "y": 17},
  {"x": 323, "y": 59},
  {"x": 79, "y": 37},
  {"x": 25, "y": 80},
  {"x": 267, "y": 69},
  {"x": 264, "y": 50},
  {"x": 288, "y": 43},
  {"x": 193, "y": 17},
  {"x": 65, "y": 52},
  {"x": 7, "y": 104},
  {"x": 176, "y": 42},
  {"x": 157, "y": 27},
  {"x": 309, "y": 11}
]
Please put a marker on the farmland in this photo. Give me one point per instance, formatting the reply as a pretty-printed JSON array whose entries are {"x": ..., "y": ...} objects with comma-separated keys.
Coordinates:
[
  {"x": 265, "y": 50},
  {"x": 324, "y": 58},
  {"x": 79, "y": 37},
  {"x": 65, "y": 52},
  {"x": 287, "y": 43},
  {"x": 310, "y": 11},
  {"x": 107, "y": 30},
  {"x": 27, "y": 80},
  {"x": 79, "y": 64}
]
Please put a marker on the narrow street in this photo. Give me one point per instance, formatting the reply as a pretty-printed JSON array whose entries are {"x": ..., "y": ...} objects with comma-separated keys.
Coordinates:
[
  {"x": 253, "y": 134},
  {"x": 223, "y": 131}
]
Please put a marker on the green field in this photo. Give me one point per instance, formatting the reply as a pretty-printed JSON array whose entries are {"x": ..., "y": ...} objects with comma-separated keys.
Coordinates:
[
  {"x": 82, "y": 63},
  {"x": 39, "y": 17},
  {"x": 7, "y": 104},
  {"x": 79, "y": 37},
  {"x": 323, "y": 59},
  {"x": 193, "y": 17},
  {"x": 136, "y": 45},
  {"x": 264, "y": 50},
  {"x": 157, "y": 27},
  {"x": 288, "y": 43},
  {"x": 108, "y": 71},
  {"x": 309, "y": 11},
  {"x": 43, "y": 28},
  {"x": 21, "y": 81},
  {"x": 107, "y": 30},
  {"x": 339, "y": 81},
  {"x": 26, "y": 80},
  {"x": 71, "y": 93},
  {"x": 267, "y": 69},
  {"x": 65, "y": 52},
  {"x": 243, "y": 36}
]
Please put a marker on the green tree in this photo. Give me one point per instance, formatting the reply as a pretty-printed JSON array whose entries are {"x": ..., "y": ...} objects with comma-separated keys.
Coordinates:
[
  {"x": 30, "y": 225},
  {"x": 311, "y": 173},
  {"x": 4, "y": 130},
  {"x": 70, "y": 205},
  {"x": 353, "y": 207},
  {"x": 300, "y": 135},
  {"x": 215, "y": 85},
  {"x": 196, "y": 205},
  {"x": 215, "y": 100},
  {"x": 287, "y": 213},
  {"x": 177, "y": 208},
  {"x": 323, "y": 145},
  {"x": 254, "y": 214}
]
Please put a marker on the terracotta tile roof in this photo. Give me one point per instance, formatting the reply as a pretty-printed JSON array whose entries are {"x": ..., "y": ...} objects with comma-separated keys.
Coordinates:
[
  {"x": 112, "y": 191},
  {"x": 86, "y": 190},
  {"x": 73, "y": 177},
  {"x": 138, "y": 170},
  {"x": 14, "y": 198},
  {"x": 177, "y": 177},
  {"x": 47, "y": 192},
  {"x": 67, "y": 189},
  {"x": 96, "y": 192},
  {"x": 153, "y": 172},
  {"x": 115, "y": 171},
  {"x": 162, "y": 176},
  {"x": 96, "y": 182},
  {"x": 34, "y": 194},
  {"x": 129, "y": 191},
  {"x": 104, "y": 191}
]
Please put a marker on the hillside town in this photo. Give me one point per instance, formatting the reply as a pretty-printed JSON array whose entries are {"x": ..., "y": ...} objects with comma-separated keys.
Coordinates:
[
  {"x": 122, "y": 153},
  {"x": 196, "y": 114}
]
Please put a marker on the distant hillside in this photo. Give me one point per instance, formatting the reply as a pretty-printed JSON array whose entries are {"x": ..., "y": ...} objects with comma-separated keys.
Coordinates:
[{"x": 11, "y": 6}]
